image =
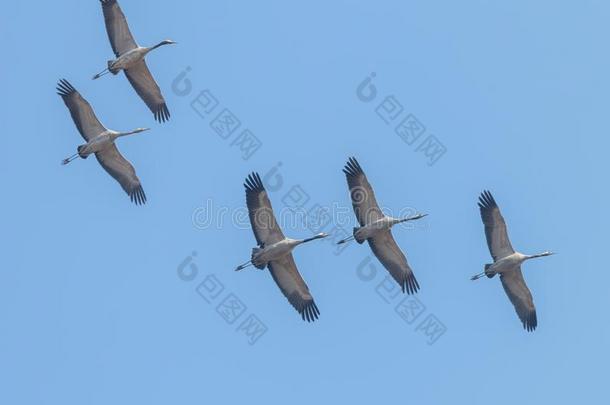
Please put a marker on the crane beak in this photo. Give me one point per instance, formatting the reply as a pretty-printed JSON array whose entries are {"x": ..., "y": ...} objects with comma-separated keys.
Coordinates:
[{"x": 418, "y": 216}]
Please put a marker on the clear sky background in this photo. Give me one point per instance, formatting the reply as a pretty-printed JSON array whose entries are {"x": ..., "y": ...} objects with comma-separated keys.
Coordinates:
[{"x": 91, "y": 306}]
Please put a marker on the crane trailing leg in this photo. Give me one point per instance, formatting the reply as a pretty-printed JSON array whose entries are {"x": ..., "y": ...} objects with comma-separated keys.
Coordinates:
[
  {"x": 253, "y": 262},
  {"x": 109, "y": 69},
  {"x": 489, "y": 273},
  {"x": 80, "y": 152},
  {"x": 354, "y": 236},
  {"x": 69, "y": 159},
  {"x": 100, "y": 74},
  {"x": 257, "y": 263},
  {"x": 243, "y": 266}
]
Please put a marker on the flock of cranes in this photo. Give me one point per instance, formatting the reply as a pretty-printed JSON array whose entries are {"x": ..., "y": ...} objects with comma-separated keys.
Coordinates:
[
  {"x": 130, "y": 58},
  {"x": 274, "y": 250}
]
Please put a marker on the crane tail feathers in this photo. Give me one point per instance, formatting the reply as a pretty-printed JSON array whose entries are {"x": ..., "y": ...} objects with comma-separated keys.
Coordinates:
[
  {"x": 489, "y": 274},
  {"x": 111, "y": 69},
  {"x": 80, "y": 152},
  {"x": 356, "y": 238},
  {"x": 258, "y": 265}
]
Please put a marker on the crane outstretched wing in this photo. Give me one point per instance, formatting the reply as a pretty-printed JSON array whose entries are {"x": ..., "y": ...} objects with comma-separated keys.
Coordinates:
[
  {"x": 521, "y": 297},
  {"x": 144, "y": 84},
  {"x": 265, "y": 227},
  {"x": 389, "y": 254},
  {"x": 119, "y": 35},
  {"x": 82, "y": 114},
  {"x": 118, "y": 167},
  {"x": 495, "y": 227},
  {"x": 363, "y": 198},
  {"x": 286, "y": 275}
]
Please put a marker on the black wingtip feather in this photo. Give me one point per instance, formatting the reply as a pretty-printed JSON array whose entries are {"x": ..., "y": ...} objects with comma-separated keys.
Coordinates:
[
  {"x": 352, "y": 167},
  {"x": 410, "y": 284},
  {"x": 254, "y": 183},
  {"x": 64, "y": 88},
  {"x": 486, "y": 200},
  {"x": 138, "y": 196},
  {"x": 310, "y": 312},
  {"x": 162, "y": 113},
  {"x": 531, "y": 322}
]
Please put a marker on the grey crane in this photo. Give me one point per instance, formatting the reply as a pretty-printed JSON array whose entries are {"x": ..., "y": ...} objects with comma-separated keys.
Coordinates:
[
  {"x": 375, "y": 227},
  {"x": 100, "y": 141},
  {"x": 507, "y": 262},
  {"x": 275, "y": 250},
  {"x": 130, "y": 58}
]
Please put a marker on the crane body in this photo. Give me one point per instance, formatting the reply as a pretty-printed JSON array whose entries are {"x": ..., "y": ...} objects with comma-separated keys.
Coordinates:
[
  {"x": 507, "y": 262},
  {"x": 130, "y": 58},
  {"x": 375, "y": 227},
  {"x": 274, "y": 250},
  {"x": 101, "y": 142}
]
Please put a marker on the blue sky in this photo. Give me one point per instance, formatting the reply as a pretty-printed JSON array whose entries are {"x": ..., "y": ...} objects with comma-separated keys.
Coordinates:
[{"x": 92, "y": 306}]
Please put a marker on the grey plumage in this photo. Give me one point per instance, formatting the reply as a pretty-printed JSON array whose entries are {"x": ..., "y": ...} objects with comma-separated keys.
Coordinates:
[
  {"x": 110, "y": 158},
  {"x": 361, "y": 193},
  {"x": 144, "y": 84},
  {"x": 81, "y": 111},
  {"x": 496, "y": 232},
  {"x": 121, "y": 39},
  {"x": 383, "y": 244},
  {"x": 138, "y": 74},
  {"x": 267, "y": 232},
  {"x": 118, "y": 167},
  {"x": 265, "y": 227},
  {"x": 500, "y": 247},
  {"x": 521, "y": 298}
]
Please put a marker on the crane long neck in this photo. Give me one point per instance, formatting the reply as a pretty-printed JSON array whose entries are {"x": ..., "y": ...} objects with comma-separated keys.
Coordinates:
[
  {"x": 158, "y": 45},
  {"x": 396, "y": 221},
  {"x": 311, "y": 239},
  {"x": 537, "y": 255},
  {"x": 135, "y": 131},
  {"x": 411, "y": 218}
]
